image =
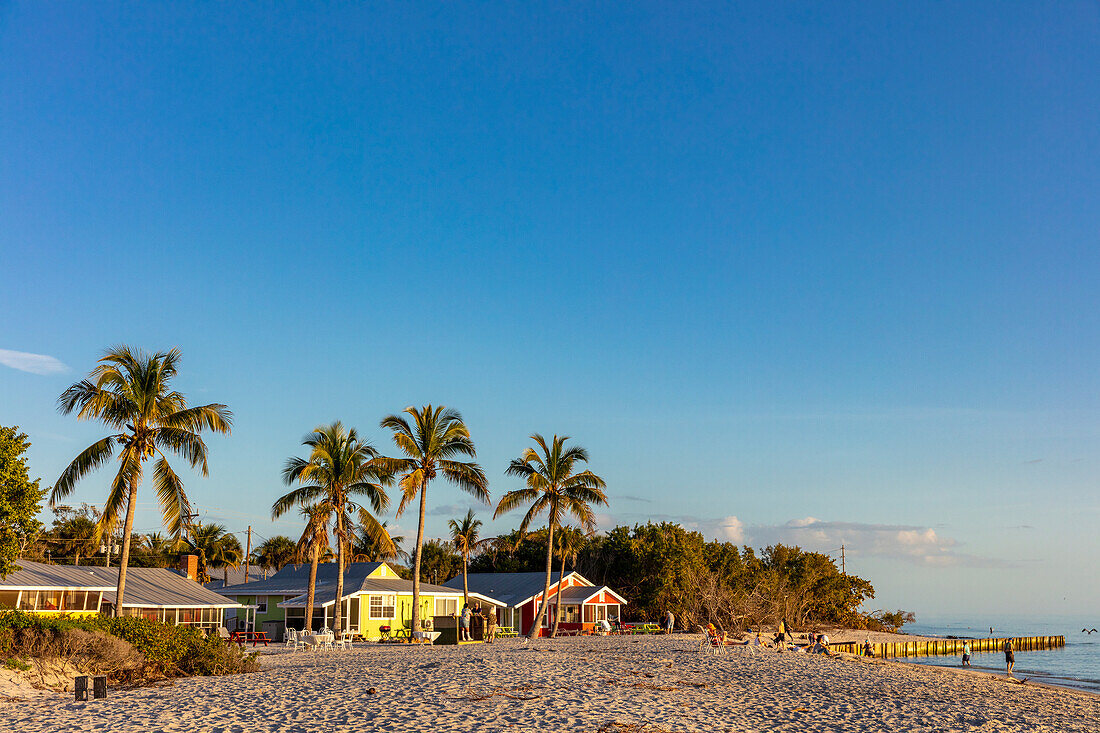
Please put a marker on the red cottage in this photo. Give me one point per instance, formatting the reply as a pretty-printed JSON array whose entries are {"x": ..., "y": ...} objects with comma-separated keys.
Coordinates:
[{"x": 583, "y": 602}]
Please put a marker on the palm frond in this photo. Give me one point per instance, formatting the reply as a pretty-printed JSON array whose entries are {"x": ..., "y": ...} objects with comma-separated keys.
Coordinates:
[
  {"x": 173, "y": 501},
  {"x": 86, "y": 461}
]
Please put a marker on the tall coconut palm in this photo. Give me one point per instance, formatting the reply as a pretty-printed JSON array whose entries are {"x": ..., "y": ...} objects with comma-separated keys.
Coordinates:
[
  {"x": 570, "y": 542},
  {"x": 130, "y": 392},
  {"x": 340, "y": 469},
  {"x": 274, "y": 553},
  {"x": 312, "y": 544},
  {"x": 554, "y": 488},
  {"x": 464, "y": 535},
  {"x": 430, "y": 443}
]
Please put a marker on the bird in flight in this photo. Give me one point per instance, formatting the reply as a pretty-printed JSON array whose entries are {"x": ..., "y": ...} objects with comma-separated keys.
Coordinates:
[{"x": 1088, "y": 631}]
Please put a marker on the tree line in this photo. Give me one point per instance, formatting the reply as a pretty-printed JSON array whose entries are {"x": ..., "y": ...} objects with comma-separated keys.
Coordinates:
[{"x": 341, "y": 486}]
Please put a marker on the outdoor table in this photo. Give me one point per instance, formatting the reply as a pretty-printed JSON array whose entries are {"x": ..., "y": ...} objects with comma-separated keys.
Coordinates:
[{"x": 243, "y": 637}]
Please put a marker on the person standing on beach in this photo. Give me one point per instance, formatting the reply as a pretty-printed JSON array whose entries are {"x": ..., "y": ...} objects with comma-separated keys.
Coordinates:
[
  {"x": 490, "y": 625},
  {"x": 966, "y": 654},
  {"x": 464, "y": 624},
  {"x": 670, "y": 620},
  {"x": 1010, "y": 658}
]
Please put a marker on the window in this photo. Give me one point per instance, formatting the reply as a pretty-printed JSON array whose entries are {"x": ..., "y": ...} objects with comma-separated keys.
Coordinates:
[
  {"x": 261, "y": 604},
  {"x": 27, "y": 602},
  {"x": 446, "y": 606},
  {"x": 49, "y": 600},
  {"x": 74, "y": 600},
  {"x": 382, "y": 607},
  {"x": 593, "y": 613},
  {"x": 9, "y": 598}
]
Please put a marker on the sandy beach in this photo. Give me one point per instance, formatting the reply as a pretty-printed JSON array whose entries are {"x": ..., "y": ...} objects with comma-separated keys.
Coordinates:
[{"x": 652, "y": 684}]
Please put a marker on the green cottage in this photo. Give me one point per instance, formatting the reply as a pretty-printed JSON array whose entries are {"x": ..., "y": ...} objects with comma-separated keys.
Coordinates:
[{"x": 374, "y": 596}]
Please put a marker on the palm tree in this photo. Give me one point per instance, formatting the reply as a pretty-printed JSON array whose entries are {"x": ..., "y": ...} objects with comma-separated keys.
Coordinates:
[
  {"x": 312, "y": 544},
  {"x": 274, "y": 553},
  {"x": 216, "y": 548},
  {"x": 570, "y": 542},
  {"x": 130, "y": 392},
  {"x": 160, "y": 549},
  {"x": 552, "y": 487},
  {"x": 431, "y": 443},
  {"x": 340, "y": 468},
  {"x": 367, "y": 548},
  {"x": 464, "y": 535}
]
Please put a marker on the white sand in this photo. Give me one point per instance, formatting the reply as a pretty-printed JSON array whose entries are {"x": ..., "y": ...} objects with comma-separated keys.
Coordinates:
[{"x": 603, "y": 684}]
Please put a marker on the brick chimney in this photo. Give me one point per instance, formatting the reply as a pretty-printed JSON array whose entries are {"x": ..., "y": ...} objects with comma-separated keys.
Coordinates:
[{"x": 189, "y": 566}]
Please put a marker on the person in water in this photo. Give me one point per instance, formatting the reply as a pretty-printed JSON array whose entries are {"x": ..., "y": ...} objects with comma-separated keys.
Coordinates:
[
  {"x": 966, "y": 654},
  {"x": 1010, "y": 657}
]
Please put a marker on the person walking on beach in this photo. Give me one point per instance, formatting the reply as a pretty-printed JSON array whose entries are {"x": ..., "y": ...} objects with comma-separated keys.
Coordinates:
[
  {"x": 1010, "y": 658},
  {"x": 966, "y": 654},
  {"x": 670, "y": 620}
]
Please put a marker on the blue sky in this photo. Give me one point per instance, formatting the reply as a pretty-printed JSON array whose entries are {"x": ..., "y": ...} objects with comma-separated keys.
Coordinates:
[{"x": 816, "y": 274}]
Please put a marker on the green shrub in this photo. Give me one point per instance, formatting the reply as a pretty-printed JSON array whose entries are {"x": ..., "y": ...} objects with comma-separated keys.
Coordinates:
[{"x": 161, "y": 649}]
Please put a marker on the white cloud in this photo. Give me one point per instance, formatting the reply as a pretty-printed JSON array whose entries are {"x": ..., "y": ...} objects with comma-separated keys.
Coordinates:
[
  {"x": 732, "y": 530},
  {"x": 33, "y": 363}
]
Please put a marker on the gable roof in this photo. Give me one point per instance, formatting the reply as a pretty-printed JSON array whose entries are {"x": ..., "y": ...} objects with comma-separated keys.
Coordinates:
[
  {"x": 37, "y": 575},
  {"x": 160, "y": 587},
  {"x": 294, "y": 579},
  {"x": 583, "y": 593},
  {"x": 512, "y": 589}
]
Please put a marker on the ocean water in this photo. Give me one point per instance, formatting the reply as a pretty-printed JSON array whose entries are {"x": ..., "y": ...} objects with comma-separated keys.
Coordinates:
[{"x": 1077, "y": 665}]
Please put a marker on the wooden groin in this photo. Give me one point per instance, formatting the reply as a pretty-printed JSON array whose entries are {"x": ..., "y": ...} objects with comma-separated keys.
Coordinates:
[{"x": 948, "y": 647}]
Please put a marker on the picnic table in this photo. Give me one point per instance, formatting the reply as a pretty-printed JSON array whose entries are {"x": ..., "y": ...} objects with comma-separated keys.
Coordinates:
[
  {"x": 243, "y": 637},
  {"x": 506, "y": 631}
]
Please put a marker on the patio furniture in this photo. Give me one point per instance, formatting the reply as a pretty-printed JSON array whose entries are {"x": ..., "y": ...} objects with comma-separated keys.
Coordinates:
[
  {"x": 291, "y": 639},
  {"x": 243, "y": 637},
  {"x": 223, "y": 634},
  {"x": 344, "y": 641}
]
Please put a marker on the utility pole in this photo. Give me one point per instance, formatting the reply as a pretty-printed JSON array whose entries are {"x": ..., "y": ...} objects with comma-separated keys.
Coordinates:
[
  {"x": 843, "y": 569},
  {"x": 248, "y": 552}
]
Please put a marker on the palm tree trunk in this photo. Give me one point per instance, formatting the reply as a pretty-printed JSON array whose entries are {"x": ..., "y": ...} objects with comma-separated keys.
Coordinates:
[
  {"x": 465, "y": 584},
  {"x": 416, "y": 559},
  {"x": 338, "y": 608},
  {"x": 534, "y": 630},
  {"x": 311, "y": 594},
  {"x": 557, "y": 594},
  {"x": 124, "y": 561}
]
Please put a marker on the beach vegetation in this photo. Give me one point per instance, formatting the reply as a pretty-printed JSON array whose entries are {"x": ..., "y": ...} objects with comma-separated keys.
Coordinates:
[
  {"x": 552, "y": 487},
  {"x": 214, "y": 547},
  {"x": 274, "y": 553},
  {"x": 432, "y": 438},
  {"x": 20, "y": 500},
  {"x": 341, "y": 476},
  {"x": 131, "y": 393},
  {"x": 126, "y": 649},
  {"x": 465, "y": 536}
]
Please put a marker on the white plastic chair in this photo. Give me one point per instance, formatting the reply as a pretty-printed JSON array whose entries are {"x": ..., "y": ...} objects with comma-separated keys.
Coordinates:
[
  {"x": 344, "y": 641},
  {"x": 293, "y": 640}
]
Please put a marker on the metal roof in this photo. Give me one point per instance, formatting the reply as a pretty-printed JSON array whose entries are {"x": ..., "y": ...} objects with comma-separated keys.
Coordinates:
[
  {"x": 513, "y": 589},
  {"x": 236, "y": 576},
  {"x": 581, "y": 593},
  {"x": 294, "y": 579},
  {"x": 325, "y": 594},
  {"x": 160, "y": 587},
  {"x": 40, "y": 576},
  {"x": 144, "y": 586}
]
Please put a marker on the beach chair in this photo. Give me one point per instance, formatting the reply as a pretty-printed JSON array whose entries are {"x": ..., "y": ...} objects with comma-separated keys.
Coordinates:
[
  {"x": 710, "y": 642},
  {"x": 344, "y": 642},
  {"x": 223, "y": 634}
]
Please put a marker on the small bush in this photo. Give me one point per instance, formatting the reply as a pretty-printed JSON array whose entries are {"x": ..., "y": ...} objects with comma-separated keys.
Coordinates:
[
  {"x": 17, "y": 664},
  {"x": 120, "y": 647}
]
